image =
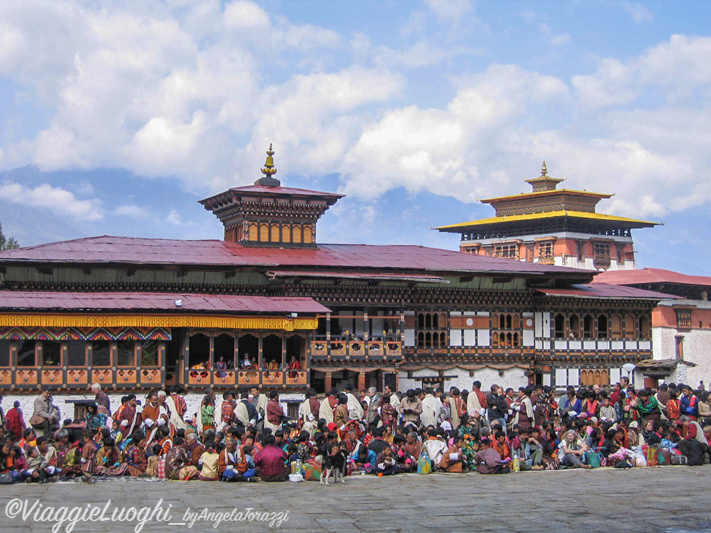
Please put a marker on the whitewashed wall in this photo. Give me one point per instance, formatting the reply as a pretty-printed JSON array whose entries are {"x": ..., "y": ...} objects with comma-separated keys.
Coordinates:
[{"x": 514, "y": 377}]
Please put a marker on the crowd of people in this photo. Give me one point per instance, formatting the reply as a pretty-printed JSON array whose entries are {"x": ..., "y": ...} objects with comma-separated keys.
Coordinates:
[{"x": 246, "y": 435}]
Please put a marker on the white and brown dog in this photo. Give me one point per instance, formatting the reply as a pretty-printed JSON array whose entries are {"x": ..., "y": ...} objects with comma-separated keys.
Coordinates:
[{"x": 334, "y": 464}]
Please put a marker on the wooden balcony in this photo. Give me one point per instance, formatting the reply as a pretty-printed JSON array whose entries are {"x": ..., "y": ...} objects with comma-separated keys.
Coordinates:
[{"x": 336, "y": 348}]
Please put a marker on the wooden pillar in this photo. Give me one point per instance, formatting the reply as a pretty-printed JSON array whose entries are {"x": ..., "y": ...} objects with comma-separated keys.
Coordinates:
[
  {"x": 260, "y": 349},
  {"x": 283, "y": 352},
  {"x": 328, "y": 382},
  {"x": 361, "y": 381}
]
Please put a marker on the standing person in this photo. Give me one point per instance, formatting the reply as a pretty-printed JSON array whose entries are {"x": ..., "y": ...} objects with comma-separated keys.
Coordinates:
[
  {"x": 430, "y": 409},
  {"x": 45, "y": 413},
  {"x": 245, "y": 413},
  {"x": 308, "y": 412},
  {"x": 128, "y": 416},
  {"x": 476, "y": 401},
  {"x": 394, "y": 399},
  {"x": 154, "y": 415},
  {"x": 688, "y": 403},
  {"x": 328, "y": 406},
  {"x": 355, "y": 407},
  {"x": 275, "y": 412},
  {"x": 388, "y": 413},
  {"x": 411, "y": 408},
  {"x": 259, "y": 401},
  {"x": 372, "y": 416},
  {"x": 15, "y": 421},
  {"x": 101, "y": 398},
  {"x": 497, "y": 406},
  {"x": 207, "y": 414},
  {"x": 523, "y": 408},
  {"x": 341, "y": 417},
  {"x": 457, "y": 407}
]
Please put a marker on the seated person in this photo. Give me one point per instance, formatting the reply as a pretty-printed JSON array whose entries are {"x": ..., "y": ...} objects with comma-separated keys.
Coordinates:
[
  {"x": 488, "y": 460},
  {"x": 572, "y": 449},
  {"x": 270, "y": 461},
  {"x": 453, "y": 459},
  {"x": 385, "y": 463}
]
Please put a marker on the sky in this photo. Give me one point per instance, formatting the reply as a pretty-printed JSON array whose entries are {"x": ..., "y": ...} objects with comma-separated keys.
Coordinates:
[{"x": 117, "y": 116}]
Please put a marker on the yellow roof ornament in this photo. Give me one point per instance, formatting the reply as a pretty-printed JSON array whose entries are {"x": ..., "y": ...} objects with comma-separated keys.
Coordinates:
[
  {"x": 268, "y": 180},
  {"x": 544, "y": 170},
  {"x": 269, "y": 170}
]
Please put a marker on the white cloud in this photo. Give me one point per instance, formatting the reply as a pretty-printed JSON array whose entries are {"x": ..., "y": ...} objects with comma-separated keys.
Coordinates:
[
  {"x": 55, "y": 199},
  {"x": 638, "y": 12},
  {"x": 678, "y": 67},
  {"x": 562, "y": 39},
  {"x": 441, "y": 151},
  {"x": 131, "y": 211}
]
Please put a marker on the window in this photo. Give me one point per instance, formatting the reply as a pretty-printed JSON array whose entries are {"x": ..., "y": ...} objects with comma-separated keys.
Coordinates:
[
  {"x": 601, "y": 254},
  {"x": 679, "y": 343},
  {"x": 581, "y": 250},
  {"x": 616, "y": 327},
  {"x": 76, "y": 353},
  {"x": 588, "y": 327},
  {"x": 602, "y": 327},
  {"x": 5, "y": 353},
  {"x": 126, "y": 353},
  {"x": 51, "y": 353},
  {"x": 101, "y": 353},
  {"x": 149, "y": 353},
  {"x": 509, "y": 251},
  {"x": 683, "y": 319},
  {"x": 574, "y": 330},
  {"x": 502, "y": 324},
  {"x": 199, "y": 349},
  {"x": 225, "y": 350},
  {"x": 26, "y": 354},
  {"x": 434, "y": 326},
  {"x": 644, "y": 327},
  {"x": 630, "y": 327},
  {"x": 545, "y": 252},
  {"x": 559, "y": 326}
]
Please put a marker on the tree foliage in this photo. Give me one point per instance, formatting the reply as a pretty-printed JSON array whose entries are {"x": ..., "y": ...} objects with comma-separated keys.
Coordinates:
[{"x": 8, "y": 243}]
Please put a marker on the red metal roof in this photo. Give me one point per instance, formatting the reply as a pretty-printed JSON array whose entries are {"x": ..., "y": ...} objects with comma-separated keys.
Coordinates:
[
  {"x": 601, "y": 290},
  {"x": 649, "y": 275},
  {"x": 405, "y": 258},
  {"x": 357, "y": 275},
  {"x": 152, "y": 302}
]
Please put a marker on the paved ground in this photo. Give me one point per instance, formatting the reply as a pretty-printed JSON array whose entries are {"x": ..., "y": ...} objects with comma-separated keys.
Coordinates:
[{"x": 669, "y": 499}]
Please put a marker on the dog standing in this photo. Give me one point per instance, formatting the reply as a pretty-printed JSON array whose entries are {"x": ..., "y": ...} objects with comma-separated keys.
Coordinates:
[{"x": 334, "y": 464}]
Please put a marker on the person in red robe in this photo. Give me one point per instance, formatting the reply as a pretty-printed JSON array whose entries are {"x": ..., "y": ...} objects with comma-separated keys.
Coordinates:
[{"x": 15, "y": 421}]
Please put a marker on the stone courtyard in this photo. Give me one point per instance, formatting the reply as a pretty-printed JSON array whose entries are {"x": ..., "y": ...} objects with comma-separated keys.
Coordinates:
[{"x": 669, "y": 499}]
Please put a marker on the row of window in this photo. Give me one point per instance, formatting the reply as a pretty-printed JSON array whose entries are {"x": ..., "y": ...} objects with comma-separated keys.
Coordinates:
[
  {"x": 590, "y": 327},
  {"x": 32, "y": 353},
  {"x": 572, "y": 326}
]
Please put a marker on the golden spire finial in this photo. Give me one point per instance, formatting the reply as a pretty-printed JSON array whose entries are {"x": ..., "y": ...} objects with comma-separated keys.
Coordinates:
[
  {"x": 269, "y": 169},
  {"x": 544, "y": 170}
]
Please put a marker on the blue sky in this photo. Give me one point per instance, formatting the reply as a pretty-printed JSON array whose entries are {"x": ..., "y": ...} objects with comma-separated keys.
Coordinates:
[{"x": 117, "y": 116}]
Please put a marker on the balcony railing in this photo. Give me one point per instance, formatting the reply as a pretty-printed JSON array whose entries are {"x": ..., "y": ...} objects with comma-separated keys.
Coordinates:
[
  {"x": 247, "y": 378},
  {"x": 355, "y": 347}
]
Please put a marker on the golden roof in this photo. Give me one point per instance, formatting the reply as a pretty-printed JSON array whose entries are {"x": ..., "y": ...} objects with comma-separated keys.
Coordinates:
[
  {"x": 555, "y": 192},
  {"x": 550, "y": 214}
]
